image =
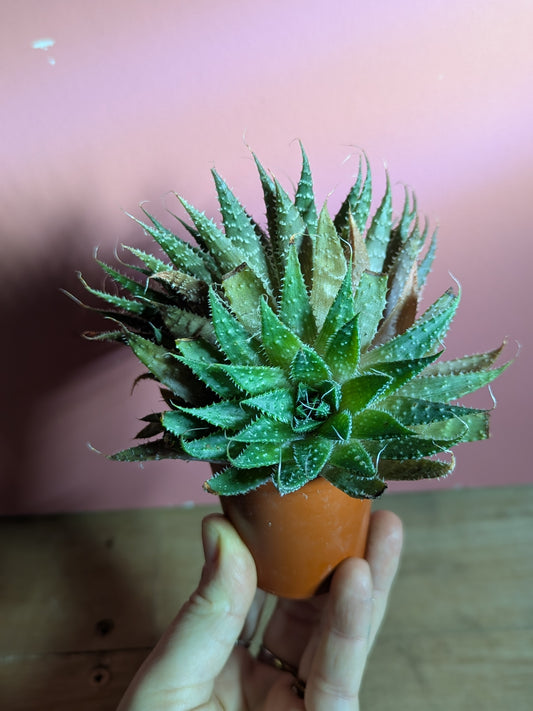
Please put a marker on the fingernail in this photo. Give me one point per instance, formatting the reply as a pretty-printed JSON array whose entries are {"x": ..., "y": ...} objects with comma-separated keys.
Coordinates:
[{"x": 211, "y": 542}]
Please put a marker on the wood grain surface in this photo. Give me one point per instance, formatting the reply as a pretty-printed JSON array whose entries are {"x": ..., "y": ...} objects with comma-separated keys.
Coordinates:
[{"x": 84, "y": 597}]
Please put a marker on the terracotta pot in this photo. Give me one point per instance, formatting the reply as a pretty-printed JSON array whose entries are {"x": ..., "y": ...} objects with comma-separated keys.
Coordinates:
[{"x": 297, "y": 540}]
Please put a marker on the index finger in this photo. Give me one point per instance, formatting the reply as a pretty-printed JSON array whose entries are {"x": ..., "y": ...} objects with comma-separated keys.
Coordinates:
[{"x": 383, "y": 554}]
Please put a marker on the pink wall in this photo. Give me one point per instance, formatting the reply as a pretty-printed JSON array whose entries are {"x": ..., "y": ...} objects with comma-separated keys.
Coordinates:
[{"x": 138, "y": 99}]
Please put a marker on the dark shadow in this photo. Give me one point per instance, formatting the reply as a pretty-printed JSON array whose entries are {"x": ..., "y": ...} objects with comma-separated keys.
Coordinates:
[
  {"x": 42, "y": 348},
  {"x": 41, "y": 342}
]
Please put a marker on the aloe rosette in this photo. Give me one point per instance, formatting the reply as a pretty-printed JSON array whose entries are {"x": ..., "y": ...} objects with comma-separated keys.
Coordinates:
[{"x": 295, "y": 351}]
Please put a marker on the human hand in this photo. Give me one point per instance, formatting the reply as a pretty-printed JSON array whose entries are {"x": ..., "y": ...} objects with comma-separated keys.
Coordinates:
[{"x": 202, "y": 660}]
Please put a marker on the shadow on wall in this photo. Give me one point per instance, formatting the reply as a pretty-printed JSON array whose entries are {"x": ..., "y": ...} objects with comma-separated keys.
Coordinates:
[{"x": 42, "y": 345}]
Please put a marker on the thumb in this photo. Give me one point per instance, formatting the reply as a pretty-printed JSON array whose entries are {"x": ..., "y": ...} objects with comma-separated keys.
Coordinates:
[
  {"x": 198, "y": 643},
  {"x": 210, "y": 622}
]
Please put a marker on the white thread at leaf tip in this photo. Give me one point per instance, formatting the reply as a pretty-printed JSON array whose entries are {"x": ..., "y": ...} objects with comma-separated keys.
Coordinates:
[
  {"x": 493, "y": 397},
  {"x": 245, "y": 142},
  {"x": 92, "y": 448},
  {"x": 456, "y": 281},
  {"x": 518, "y": 346},
  {"x": 359, "y": 150},
  {"x": 378, "y": 457},
  {"x": 44, "y": 43}
]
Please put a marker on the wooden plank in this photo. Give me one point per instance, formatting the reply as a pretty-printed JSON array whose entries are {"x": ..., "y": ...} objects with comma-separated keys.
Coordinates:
[
  {"x": 105, "y": 580},
  {"x": 460, "y": 670},
  {"x": 85, "y": 596},
  {"x": 467, "y": 560},
  {"x": 90, "y": 681}
]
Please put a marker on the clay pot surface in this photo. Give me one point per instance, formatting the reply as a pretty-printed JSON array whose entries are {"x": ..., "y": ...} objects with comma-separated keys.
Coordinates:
[{"x": 297, "y": 540}]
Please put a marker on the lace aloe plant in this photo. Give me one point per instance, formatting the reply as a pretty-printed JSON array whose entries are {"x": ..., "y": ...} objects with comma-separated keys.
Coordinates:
[{"x": 294, "y": 351}]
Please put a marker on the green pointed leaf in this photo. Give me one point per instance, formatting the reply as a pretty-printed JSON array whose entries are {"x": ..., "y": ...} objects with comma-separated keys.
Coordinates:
[
  {"x": 185, "y": 324},
  {"x": 290, "y": 226},
  {"x": 269, "y": 196},
  {"x": 329, "y": 267},
  {"x": 355, "y": 248},
  {"x": 308, "y": 367},
  {"x": 233, "y": 338},
  {"x": 186, "y": 288},
  {"x": 295, "y": 309},
  {"x": 228, "y": 255},
  {"x": 414, "y": 469},
  {"x": 341, "y": 311},
  {"x": 467, "y": 364},
  {"x": 338, "y": 426},
  {"x": 227, "y": 414},
  {"x": 305, "y": 198},
  {"x": 150, "y": 451},
  {"x": 401, "y": 371},
  {"x": 279, "y": 342},
  {"x": 244, "y": 292},
  {"x": 311, "y": 455},
  {"x": 265, "y": 429},
  {"x": 211, "y": 448},
  {"x": 409, "y": 214},
  {"x": 445, "y": 388},
  {"x": 289, "y": 477},
  {"x": 210, "y": 263},
  {"x": 276, "y": 403},
  {"x": 422, "y": 338},
  {"x": 357, "y": 202},
  {"x": 353, "y": 457},
  {"x": 425, "y": 265},
  {"x": 411, "y": 411},
  {"x": 120, "y": 302},
  {"x": 214, "y": 379},
  {"x": 258, "y": 454},
  {"x": 152, "y": 263},
  {"x": 355, "y": 486},
  {"x": 401, "y": 269},
  {"x": 200, "y": 357},
  {"x": 194, "y": 349},
  {"x": 240, "y": 230},
  {"x": 374, "y": 424},
  {"x": 400, "y": 234},
  {"x": 135, "y": 289},
  {"x": 408, "y": 447},
  {"x": 377, "y": 238},
  {"x": 232, "y": 481},
  {"x": 181, "y": 254},
  {"x": 177, "y": 423},
  {"x": 468, "y": 428},
  {"x": 358, "y": 393},
  {"x": 343, "y": 352},
  {"x": 166, "y": 369},
  {"x": 369, "y": 302},
  {"x": 255, "y": 380}
]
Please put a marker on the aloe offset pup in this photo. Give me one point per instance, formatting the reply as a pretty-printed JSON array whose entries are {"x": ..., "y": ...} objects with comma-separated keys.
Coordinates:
[{"x": 295, "y": 351}]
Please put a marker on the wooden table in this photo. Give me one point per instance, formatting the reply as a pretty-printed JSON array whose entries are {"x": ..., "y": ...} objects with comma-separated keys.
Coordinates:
[{"x": 84, "y": 597}]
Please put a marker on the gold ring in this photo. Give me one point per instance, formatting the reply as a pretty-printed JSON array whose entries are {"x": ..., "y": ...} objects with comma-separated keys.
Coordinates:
[
  {"x": 268, "y": 657},
  {"x": 298, "y": 687}
]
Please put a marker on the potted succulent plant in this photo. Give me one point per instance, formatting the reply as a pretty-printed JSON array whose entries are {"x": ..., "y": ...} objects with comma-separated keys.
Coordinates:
[{"x": 291, "y": 357}]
